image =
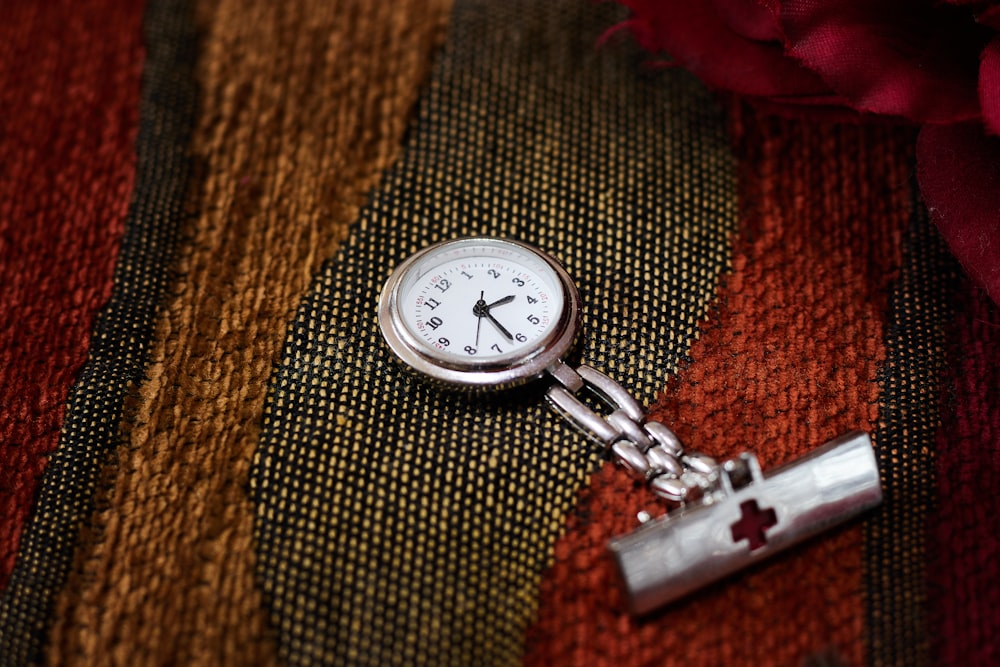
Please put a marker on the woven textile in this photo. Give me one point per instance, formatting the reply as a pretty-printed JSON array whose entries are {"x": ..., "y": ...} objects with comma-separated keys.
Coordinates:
[
  {"x": 910, "y": 391},
  {"x": 280, "y": 173},
  {"x": 964, "y": 543},
  {"x": 207, "y": 455},
  {"x": 66, "y": 175},
  {"x": 118, "y": 350}
]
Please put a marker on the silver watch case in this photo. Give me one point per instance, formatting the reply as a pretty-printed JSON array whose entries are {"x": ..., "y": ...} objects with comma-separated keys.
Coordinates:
[{"x": 482, "y": 376}]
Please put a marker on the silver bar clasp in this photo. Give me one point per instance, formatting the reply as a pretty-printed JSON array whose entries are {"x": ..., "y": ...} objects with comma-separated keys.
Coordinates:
[{"x": 745, "y": 519}]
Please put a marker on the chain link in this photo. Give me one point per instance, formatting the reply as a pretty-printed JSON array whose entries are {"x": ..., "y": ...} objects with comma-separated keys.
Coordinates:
[{"x": 647, "y": 448}]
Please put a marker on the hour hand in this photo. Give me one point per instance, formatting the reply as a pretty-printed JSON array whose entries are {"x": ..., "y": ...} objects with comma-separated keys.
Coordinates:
[{"x": 500, "y": 302}]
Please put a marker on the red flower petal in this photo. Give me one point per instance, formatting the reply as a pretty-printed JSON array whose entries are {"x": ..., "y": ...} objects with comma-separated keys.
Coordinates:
[
  {"x": 989, "y": 86},
  {"x": 751, "y": 19},
  {"x": 959, "y": 172},
  {"x": 896, "y": 57},
  {"x": 990, "y": 17},
  {"x": 694, "y": 35}
]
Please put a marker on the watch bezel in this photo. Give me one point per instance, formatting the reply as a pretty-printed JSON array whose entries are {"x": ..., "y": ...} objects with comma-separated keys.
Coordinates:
[{"x": 497, "y": 373}]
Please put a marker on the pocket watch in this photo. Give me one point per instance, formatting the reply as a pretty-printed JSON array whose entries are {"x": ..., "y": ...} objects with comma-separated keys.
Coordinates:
[
  {"x": 480, "y": 313},
  {"x": 487, "y": 313}
]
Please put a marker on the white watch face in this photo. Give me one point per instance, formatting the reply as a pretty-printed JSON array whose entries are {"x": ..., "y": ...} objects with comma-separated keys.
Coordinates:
[{"x": 476, "y": 304}]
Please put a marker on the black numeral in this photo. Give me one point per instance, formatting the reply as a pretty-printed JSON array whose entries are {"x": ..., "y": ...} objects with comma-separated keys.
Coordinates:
[
  {"x": 494, "y": 273},
  {"x": 534, "y": 320},
  {"x": 435, "y": 322},
  {"x": 532, "y": 299},
  {"x": 444, "y": 341},
  {"x": 432, "y": 303},
  {"x": 443, "y": 285},
  {"x": 467, "y": 275},
  {"x": 518, "y": 282},
  {"x": 496, "y": 347},
  {"x": 521, "y": 338},
  {"x": 470, "y": 349}
]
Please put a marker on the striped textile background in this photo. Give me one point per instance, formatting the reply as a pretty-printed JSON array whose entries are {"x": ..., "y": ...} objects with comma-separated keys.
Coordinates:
[{"x": 207, "y": 456}]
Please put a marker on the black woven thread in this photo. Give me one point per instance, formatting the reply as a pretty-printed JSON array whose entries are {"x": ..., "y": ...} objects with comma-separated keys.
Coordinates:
[
  {"x": 119, "y": 345},
  {"x": 399, "y": 524},
  {"x": 910, "y": 379}
]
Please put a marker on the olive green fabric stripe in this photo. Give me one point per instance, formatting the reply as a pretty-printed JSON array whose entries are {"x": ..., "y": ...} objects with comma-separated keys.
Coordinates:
[
  {"x": 895, "y": 538},
  {"x": 120, "y": 342},
  {"x": 400, "y": 524}
]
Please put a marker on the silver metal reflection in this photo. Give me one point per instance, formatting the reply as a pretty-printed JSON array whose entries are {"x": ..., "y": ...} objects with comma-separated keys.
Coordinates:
[{"x": 745, "y": 519}]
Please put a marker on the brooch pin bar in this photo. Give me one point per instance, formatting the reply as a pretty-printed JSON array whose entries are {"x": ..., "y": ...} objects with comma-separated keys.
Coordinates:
[{"x": 745, "y": 519}]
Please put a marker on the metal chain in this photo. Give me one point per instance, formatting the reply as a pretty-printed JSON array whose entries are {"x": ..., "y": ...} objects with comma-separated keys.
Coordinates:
[{"x": 647, "y": 448}]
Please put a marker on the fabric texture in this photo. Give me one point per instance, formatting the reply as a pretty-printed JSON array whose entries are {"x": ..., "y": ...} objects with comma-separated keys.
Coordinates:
[
  {"x": 919, "y": 309},
  {"x": 118, "y": 349},
  {"x": 932, "y": 63},
  {"x": 208, "y": 457},
  {"x": 69, "y": 124},
  {"x": 284, "y": 161},
  {"x": 960, "y": 168},
  {"x": 963, "y": 598}
]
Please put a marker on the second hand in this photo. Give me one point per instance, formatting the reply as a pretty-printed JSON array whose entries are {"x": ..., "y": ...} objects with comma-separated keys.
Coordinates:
[{"x": 479, "y": 316}]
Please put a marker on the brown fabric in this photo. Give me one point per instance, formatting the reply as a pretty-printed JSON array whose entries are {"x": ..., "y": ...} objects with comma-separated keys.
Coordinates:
[
  {"x": 789, "y": 360},
  {"x": 301, "y": 112}
]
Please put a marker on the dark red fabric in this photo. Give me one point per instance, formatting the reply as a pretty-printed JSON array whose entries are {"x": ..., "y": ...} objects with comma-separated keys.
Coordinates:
[
  {"x": 959, "y": 174},
  {"x": 67, "y": 128},
  {"x": 964, "y": 549},
  {"x": 990, "y": 17}
]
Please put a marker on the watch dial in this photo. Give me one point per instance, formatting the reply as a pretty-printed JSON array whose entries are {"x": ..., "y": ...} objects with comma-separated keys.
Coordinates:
[{"x": 480, "y": 301}]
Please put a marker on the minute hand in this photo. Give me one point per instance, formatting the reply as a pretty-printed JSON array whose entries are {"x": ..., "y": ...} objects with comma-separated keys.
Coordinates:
[{"x": 499, "y": 326}]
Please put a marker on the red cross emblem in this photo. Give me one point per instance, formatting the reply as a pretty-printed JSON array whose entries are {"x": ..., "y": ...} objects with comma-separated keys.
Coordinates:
[{"x": 753, "y": 523}]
